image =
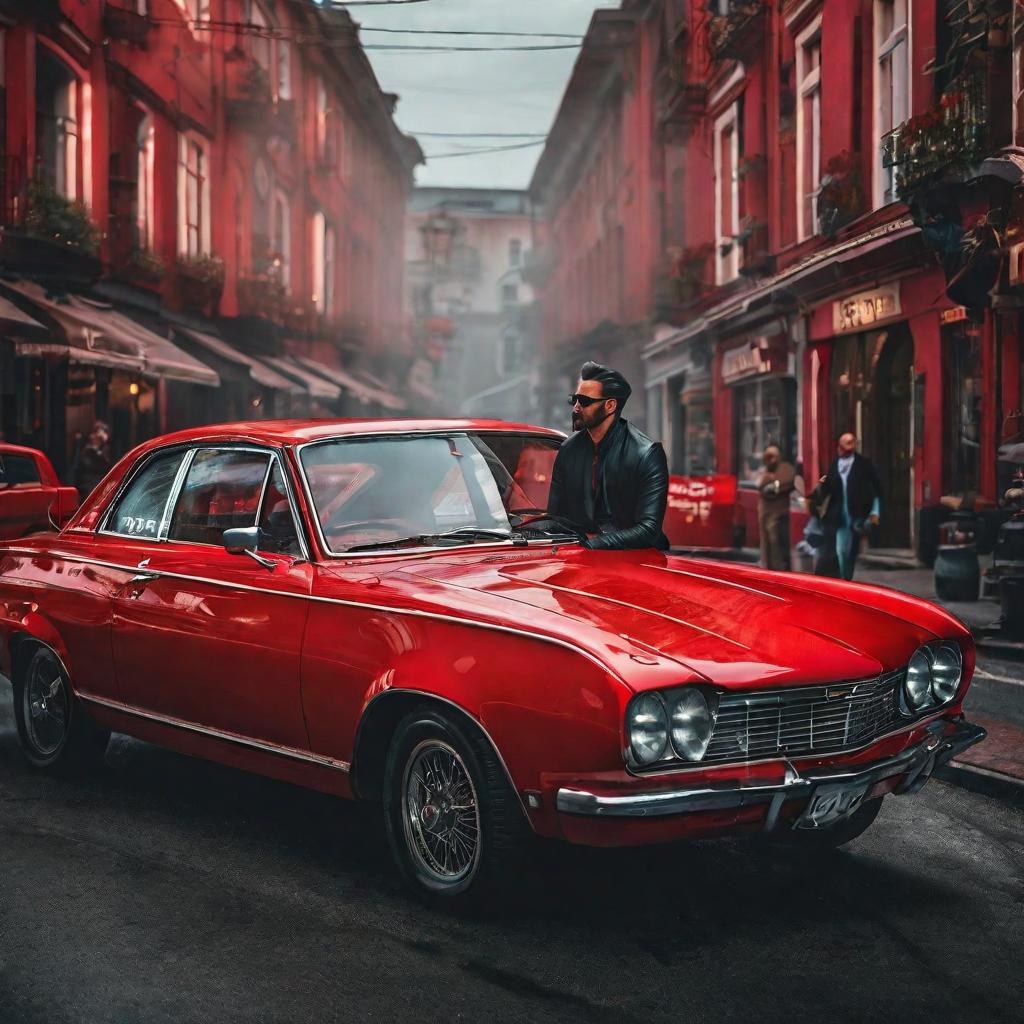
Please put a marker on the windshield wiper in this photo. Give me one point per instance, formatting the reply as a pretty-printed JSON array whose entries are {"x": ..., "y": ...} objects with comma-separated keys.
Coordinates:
[
  {"x": 539, "y": 515},
  {"x": 463, "y": 532}
]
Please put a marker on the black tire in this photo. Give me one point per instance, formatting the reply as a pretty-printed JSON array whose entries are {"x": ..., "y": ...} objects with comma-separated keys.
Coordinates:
[
  {"x": 417, "y": 831},
  {"x": 55, "y": 732},
  {"x": 842, "y": 832}
]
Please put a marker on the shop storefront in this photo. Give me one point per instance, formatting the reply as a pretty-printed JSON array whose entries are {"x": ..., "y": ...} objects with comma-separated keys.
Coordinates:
[
  {"x": 757, "y": 403},
  {"x": 679, "y": 400}
]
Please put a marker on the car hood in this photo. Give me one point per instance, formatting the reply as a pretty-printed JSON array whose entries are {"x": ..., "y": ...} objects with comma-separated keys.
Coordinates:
[{"x": 733, "y": 626}]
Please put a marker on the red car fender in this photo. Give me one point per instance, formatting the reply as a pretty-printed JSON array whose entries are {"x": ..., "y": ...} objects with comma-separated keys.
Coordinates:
[
  {"x": 520, "y": 690},
  {"x": 21, "y": 621}
]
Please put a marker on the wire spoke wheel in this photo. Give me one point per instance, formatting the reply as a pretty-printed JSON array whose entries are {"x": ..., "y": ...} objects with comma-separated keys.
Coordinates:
[
  {"x": 46, "y": 709},
  {"x": 440, "y": 813}
]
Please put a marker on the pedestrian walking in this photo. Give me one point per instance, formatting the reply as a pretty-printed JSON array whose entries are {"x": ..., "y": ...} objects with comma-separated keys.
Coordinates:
[
  {"x": 775, "y": 485},
  {"x": 93, "y": 461},
  {"x": 847, "y": 501},
  {"x": 609, "y": 477}
]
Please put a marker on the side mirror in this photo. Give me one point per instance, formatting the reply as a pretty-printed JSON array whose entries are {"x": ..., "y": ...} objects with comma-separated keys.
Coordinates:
[{"x": 239, "y": 541}]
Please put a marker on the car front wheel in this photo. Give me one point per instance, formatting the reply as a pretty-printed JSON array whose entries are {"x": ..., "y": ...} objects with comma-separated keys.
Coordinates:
[
  {"x": 454, "y": 824},
  {"x": 55, "y": 732}
]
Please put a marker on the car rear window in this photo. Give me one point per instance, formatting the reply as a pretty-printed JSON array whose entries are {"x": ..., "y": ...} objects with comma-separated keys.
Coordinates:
[{"x": 18, "y": 471}]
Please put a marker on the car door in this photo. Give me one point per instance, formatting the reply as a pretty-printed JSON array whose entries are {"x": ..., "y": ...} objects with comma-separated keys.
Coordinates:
[
  {"x": 209, "y": 639},
  {"x": 25, "y": 498}
]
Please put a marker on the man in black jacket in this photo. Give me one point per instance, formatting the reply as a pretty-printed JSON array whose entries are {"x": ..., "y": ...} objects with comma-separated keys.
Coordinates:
[
  {"x": 608, "y": 477},
  {"x": 847, "y": 500}
]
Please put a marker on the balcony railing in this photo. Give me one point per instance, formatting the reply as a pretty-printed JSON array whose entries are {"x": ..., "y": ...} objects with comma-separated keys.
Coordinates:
[
  {"x": 126, "y": 25},
  {"x": 944, "y": 142},
  {"x": 739, "y": 33}
]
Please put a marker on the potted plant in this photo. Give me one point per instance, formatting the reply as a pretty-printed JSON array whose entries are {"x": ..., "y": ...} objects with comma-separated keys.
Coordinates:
[
  {"x": 200, "y": 279},
  {"x": 146, "y": 266},
  {"x": 840, "y": 196}
]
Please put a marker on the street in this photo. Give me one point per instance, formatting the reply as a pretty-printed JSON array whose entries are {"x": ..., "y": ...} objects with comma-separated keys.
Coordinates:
[{"x": 162, "y": 888}]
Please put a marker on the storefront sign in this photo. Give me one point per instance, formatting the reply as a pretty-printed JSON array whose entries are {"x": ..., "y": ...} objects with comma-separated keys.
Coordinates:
[
  {"x": 860, "y": 312},
  {"x": 700, "y": 511},
  {"x": 759, "y": 355},
  {"x": 954, "y": 315}
]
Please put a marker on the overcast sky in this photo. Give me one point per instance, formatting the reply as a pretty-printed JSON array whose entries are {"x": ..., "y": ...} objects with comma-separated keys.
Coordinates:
[{"x": 476, "y": 92}]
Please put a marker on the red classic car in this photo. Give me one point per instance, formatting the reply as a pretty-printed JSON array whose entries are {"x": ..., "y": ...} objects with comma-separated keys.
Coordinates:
[
  {"x": 31, "y": 496},
  {"x": 385, "y": 610}
]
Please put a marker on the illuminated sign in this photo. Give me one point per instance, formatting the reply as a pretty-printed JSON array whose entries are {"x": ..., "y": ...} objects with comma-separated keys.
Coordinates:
[{"x": 859, "y": 312}]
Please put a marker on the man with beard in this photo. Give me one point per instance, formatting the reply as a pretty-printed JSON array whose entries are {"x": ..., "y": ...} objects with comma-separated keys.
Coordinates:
[{"x": 608, "y": 477}]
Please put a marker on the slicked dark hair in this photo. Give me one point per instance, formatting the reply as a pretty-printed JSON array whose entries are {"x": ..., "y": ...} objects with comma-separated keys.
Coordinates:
[{"x": 613, "y": 384}]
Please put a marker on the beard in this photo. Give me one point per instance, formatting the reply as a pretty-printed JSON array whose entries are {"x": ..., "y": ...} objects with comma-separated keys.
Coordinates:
[{"x": 577, "y": 421}]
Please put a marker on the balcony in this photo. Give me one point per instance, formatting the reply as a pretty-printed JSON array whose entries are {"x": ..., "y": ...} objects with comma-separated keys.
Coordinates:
[
  {"x": 262, "y": 294},
  {"x": 251, "y": 105},
  {"x": 44, "y": 234},
  {"x": 943, "y": 143},
  {"x": 738, "y": 34},
  {"x": 126, "y": 26}
]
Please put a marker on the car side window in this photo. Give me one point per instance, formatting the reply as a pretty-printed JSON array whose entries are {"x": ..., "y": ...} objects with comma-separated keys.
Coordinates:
[
  {"x": 141, "y": 508},
  {"x": 18, "y": 471},
  {"x": 277, "y": 523},
  {"x": 222, "y": 491}
]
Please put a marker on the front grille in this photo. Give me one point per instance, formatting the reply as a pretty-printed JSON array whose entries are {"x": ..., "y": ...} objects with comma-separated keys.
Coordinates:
[{"x": 804, "y": 722}]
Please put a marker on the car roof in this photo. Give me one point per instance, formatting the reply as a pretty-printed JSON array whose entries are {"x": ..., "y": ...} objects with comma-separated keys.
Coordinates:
[
  {"x": 294, "y": 432},
  {"x": 17, "y": 449}
]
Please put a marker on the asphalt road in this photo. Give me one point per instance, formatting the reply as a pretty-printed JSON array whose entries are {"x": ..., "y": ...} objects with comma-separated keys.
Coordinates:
[
  {"x": 997, "y": 690},
  {"x": 161, "y": 888}
]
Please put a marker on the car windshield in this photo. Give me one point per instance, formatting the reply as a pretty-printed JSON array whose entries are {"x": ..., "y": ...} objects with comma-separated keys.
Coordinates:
[{"x": 381, "y": 492}]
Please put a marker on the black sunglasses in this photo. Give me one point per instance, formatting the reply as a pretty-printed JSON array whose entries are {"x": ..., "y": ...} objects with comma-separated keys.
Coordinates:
[{"x": 585, "y": 400}]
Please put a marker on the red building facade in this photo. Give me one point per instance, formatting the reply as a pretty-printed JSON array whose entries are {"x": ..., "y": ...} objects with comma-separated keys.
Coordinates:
[
  {"x": 814, "y": 173},
  {"x": 223, "y": 176}
]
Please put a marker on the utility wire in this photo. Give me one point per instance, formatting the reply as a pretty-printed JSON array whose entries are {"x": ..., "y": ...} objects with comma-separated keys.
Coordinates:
[
  {"x": 411, "y": 48},
  {"x": 481, "y": 135},
  {"x": 479, "y": 152},
  {"x": 469, "y": 32}
]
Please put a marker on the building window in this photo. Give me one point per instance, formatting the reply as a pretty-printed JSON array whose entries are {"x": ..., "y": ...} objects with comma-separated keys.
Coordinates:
[
  {"x": 323, "y": 265},
  {"x": 324, "y": 148},
  {"x": 508, "y": 353},
  {"x": 259, "y": 35},
  {"x": 281, "y": 238},
  {"x": 57, "y": 126},
  {"x": 727, "y": 196},
  {"x": 284, "y": 69},
  {"x": 1018, "y": 84},
  {"x": 193, "y": 197},
  {"x": 196, "y": 10},
  {"x": 765, "y": 414},
  {"x": 964, "y": 394},
  {"x": 145, "y": 213},
  {"x": 892, "y": 85},
  {"x": 515, "y": 252},
  {"x": 808, "y": 129},
  {"x": 509, "y": 294}
]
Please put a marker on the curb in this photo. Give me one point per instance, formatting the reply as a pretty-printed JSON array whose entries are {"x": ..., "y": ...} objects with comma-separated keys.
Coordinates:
[{"x": 1004, "y": 788}]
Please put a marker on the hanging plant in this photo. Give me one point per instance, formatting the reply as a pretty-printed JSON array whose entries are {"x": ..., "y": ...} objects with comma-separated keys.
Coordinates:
[{"x": 56, "y": 218}]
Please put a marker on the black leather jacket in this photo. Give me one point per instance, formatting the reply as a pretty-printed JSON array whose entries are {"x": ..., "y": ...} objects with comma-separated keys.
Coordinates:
[{"x": 635, "y": 481}]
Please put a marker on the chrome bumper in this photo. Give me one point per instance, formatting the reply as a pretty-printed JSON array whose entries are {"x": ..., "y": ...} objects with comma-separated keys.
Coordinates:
[{"x": 916, "y": 763}]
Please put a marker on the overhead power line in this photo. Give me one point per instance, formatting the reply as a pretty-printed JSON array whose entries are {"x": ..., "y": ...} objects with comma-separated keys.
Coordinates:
[
  {"x": 480, "y": 135},
  {"x": 412, "y": 48},
  {"x": 480, "y": 152},
  {"x": 469, "y": 32}
]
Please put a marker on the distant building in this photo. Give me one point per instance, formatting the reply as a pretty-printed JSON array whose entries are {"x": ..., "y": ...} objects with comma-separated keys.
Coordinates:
[{"x": 469, "y": 298}]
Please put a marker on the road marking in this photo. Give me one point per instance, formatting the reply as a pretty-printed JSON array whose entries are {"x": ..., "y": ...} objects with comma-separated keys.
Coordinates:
[{"x": 982, "y": 674}]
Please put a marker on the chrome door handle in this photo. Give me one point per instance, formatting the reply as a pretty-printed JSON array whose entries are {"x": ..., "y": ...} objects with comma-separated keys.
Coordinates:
[{"x": 144, "y": 577}]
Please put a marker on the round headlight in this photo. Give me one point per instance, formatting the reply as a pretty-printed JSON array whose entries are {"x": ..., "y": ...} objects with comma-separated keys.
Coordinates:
[
  {"x": 648, "y": 729},
  {"x": 918, "y": 685},
  {"x": 690, "y": 719},
  {"x": 947, "y": 665}
]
